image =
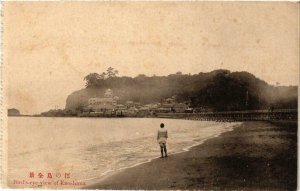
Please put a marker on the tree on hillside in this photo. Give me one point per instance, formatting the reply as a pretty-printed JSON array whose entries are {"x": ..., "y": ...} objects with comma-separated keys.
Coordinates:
[
  {"x": 96, "y": 80},
  {"x": 220, "y": 90},
  {"x": 111, "y": 72},
  {"x": 103, "y": 76},
  {"x": 91, "y": 79},
  {"x": 141, "y": 76}
]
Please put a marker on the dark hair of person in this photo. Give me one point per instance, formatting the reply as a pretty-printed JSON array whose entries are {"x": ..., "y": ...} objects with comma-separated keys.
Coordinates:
[{"x": 162, "y": 125}]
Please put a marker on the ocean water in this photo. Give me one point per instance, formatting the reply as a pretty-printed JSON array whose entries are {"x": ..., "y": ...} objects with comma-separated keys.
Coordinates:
[{"x": 88, "y": 149}]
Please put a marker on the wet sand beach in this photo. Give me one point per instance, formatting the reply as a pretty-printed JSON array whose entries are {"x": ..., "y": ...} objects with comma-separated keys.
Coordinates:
[{"x": 254, "y": 156}]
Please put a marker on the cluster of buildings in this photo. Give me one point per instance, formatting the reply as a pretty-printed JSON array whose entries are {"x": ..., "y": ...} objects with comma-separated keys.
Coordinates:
[{"x": 108, "y": 105}]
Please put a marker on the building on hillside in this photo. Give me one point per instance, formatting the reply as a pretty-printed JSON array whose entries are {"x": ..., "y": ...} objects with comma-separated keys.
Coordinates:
[
  {"x": 167, "y": 105},
  {"x": 108, "y": 93},
  {"x": 144, "y": 111},
  {"x": 120, "y": 107},
  {"x": 137, "y": 104},
  {"x": 170, "y": 100},
  {"x": 129, "y": 104},
  {"x": 180, "y": 107},
  {"x": 132, "y": 111},
  {"x": 165, "y": 108},
  {"x": 106, "y": 104},
  {"x": 189, "y": 110},
  {"x": 153, "y": 106},
  {"x": 121, "y": 110}
]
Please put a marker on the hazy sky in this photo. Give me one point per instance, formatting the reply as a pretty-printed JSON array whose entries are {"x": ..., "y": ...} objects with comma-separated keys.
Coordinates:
[{"x": 50, "y": 46}]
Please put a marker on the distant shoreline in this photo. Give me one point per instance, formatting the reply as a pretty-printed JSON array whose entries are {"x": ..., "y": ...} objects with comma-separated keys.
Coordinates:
[{"x": 229, "y": 116}]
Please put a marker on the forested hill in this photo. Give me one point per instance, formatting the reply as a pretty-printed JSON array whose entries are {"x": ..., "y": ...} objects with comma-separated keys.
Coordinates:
[{"x": 220, "y": 90}]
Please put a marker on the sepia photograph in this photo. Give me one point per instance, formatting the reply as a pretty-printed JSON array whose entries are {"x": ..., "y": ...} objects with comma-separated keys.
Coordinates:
[{"x": 149, "y": 95}]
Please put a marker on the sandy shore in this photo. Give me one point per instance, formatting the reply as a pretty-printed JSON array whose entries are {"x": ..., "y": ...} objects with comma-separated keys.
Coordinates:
[{"x": 254, "y": 156}]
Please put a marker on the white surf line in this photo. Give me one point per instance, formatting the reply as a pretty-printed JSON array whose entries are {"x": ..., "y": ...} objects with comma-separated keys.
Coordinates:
[
  {"x": 202, "y": 141},
  {"x": 151, "y": 159}
]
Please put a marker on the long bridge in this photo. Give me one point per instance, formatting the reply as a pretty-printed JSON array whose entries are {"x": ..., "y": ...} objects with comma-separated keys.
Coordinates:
[{"x": 250, "y": 115}]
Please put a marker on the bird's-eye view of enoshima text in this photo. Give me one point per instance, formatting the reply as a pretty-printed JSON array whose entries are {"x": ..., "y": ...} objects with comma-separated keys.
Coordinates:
[{"x": 151, "y": 95}]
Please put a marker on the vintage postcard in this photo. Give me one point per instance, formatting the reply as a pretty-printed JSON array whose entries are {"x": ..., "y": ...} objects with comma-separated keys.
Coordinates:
[{"x": 149, "y": 95}]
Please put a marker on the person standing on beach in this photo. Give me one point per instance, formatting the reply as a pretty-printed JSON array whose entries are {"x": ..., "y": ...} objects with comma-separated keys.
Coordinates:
[{"x": 162, "y": 136}]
